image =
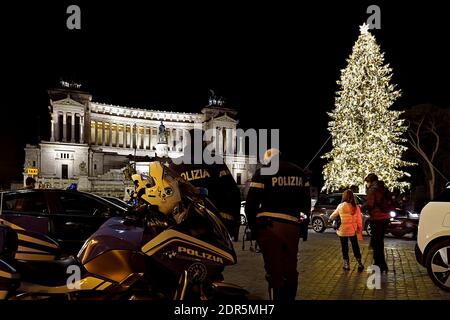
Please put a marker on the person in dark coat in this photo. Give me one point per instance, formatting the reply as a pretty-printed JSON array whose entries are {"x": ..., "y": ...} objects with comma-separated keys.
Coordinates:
[
  {"x": 216, "y": 179},
  {"x": 379, "y": 219},
  {"x": 273, "y": 208}
]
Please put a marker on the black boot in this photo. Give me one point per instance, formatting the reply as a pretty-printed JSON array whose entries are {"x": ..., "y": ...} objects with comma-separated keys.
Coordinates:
[
  {"x": 346, "y": 265},
  {"x": 277, "y": 294},
  {"x": 383, "y": 267},
  {"x": 360, "y": 265},
  {"x": 290, "y": 292}
]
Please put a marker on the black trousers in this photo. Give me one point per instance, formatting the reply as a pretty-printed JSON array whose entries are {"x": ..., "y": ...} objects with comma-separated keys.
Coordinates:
[
  {"x": 377, "y": 241},
  {"x": 355, "y": 247},
  {"x": 279, "y": 246}
]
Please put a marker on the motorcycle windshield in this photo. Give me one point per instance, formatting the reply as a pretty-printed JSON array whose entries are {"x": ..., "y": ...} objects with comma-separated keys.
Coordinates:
[{"x": 201, "y": 217}]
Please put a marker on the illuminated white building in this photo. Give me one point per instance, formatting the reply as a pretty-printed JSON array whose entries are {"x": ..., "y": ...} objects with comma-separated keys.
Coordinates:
[{"x": 91, "y": 143}]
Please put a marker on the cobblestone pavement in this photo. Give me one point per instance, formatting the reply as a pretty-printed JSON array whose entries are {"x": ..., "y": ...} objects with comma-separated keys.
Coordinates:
[{"x": 321, "y": 276}]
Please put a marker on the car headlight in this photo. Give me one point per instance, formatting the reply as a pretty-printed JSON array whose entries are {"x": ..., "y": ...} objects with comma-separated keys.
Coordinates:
[{"x": 392, "y": 214}]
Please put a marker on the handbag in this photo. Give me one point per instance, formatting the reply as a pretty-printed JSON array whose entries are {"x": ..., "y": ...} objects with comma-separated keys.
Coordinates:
[{"x": 336, "y": 223}]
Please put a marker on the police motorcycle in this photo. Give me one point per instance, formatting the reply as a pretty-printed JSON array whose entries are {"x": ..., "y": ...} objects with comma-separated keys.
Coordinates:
[
  {"x": 186, "y": 239},
  {"x": 172, "y": 247},
  {"x": 9, "y": 277}
]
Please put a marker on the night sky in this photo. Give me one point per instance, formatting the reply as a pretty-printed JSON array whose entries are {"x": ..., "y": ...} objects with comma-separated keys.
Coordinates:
[{"x": 276, "y": 63}]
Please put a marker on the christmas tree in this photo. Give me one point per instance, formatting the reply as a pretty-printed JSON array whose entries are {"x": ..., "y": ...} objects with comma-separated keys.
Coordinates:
[{"x": 366, "y": 135}]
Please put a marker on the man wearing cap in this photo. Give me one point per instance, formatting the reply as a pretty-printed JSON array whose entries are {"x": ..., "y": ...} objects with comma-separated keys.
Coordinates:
[{"x": 273, "y": 207}]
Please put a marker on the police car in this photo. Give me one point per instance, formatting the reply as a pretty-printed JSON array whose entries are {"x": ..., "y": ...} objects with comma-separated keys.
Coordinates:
[{"x": 433, "y": 240}]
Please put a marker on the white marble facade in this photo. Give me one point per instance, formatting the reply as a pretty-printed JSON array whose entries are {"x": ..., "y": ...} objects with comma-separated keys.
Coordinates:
[{"x": 91, "y": 142}]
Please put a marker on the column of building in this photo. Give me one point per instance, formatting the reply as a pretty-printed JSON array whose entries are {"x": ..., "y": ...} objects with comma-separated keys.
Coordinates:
[
  {"x": 170, "y": 140},
  {"x": 81, "y": 129},
  {"x": 144, "y": 138},
  {"x": 138, "y": 137},
  {"x": 110, "y": 134},
  {"x": 95, "y": 132},
  {"x": 72, "y": 131},
  {"x": 54, "y": 124},
  {"x": 117, "y": 135},
  {"x": 103, "y": 133},
  {"x": 64, "y": 139},
  {"x": 132, "y": 134},
  {"x": 124, "y": 136}
]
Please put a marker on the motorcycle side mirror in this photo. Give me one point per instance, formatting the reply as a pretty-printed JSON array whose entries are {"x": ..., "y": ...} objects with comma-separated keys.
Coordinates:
[
  {"x": 107, "y": 213},
  {"x": 130, "y": 220},
  {"x": 131, "y": 217}
]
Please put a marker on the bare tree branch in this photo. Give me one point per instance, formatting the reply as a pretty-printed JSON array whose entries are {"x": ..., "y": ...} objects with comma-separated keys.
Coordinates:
[
  {"x": 418, "y": 132},
  {"x": 426, "y": 124},
  {"x": 436, "y": 147},
  {"x": 411, "y": 139}
]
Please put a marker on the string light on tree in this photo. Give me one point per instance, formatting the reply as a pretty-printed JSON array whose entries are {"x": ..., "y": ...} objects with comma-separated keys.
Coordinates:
[{"x": 366, "y": 135}]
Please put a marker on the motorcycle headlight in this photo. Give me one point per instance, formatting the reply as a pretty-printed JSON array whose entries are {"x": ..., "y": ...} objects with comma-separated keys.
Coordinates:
[
  {"x": 168, "y": 191},
  {"x": 392, "y": 214}
]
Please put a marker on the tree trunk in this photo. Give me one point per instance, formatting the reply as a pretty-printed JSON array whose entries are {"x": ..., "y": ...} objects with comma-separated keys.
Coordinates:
[
  {"x": 431, "y": 183},
  {"x": 432, "y": 180}
]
